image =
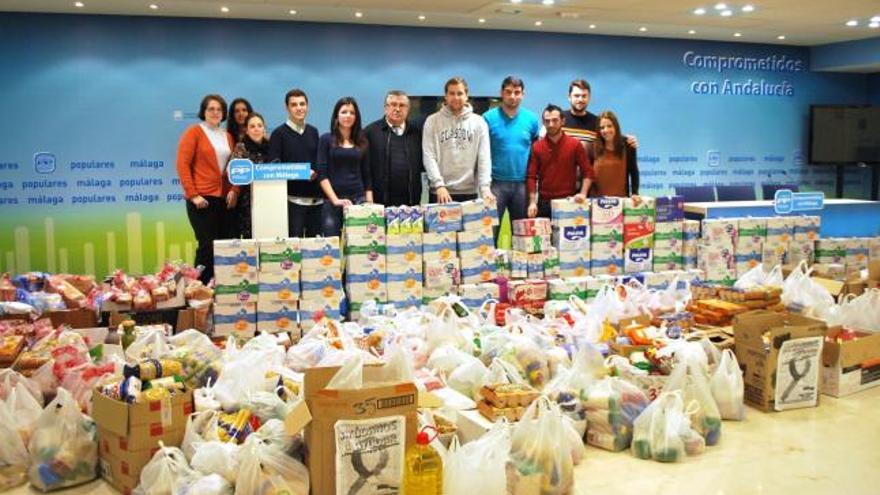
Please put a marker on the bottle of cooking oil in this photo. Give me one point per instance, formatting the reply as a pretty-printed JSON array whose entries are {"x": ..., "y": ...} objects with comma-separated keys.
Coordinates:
[{"x": 423, "y": 473}]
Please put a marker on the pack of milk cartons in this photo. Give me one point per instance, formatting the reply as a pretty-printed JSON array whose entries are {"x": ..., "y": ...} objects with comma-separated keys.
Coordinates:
[
  {"x": 669, "y": 245},
  {"x": 366, "y": 218},
  {"x": 441, "y": 277},
  {"x": 502, "y": 263},
  {"x": 365, "y": 270},
  {"x": 874, "y": 249},
  {"x": 479, "y": 214},
  {"x": 320, "y": 280},
  {"x": 280, "y": 261},
  {"x": 606, "y": 241},
  {"x": 857, "y": 253},
  {"x": 690, "y": 239},
  {"x": 552, "y": 267},
  {"x": 780, "y": 231},
  {"x": 445, "y": 217},
  {"x": 236, "y": 266},
  {"x": 403, "y": 220},
  {"x": 749, "y": 247},
  {"x": 404, "y": 270},
  {"x": 570, "y": 220},
  {"x": 476, "y": 252},
  {"x": 574, "y": 263},
  {"x": 638, "y": 233},
  {"x": 831, "y": 251},
  {"x": 519, "y": 265},
  {"x": 531, "y": 235},
  {"x": 475, "y": 295},
  {"x": 802, "y": 246}
]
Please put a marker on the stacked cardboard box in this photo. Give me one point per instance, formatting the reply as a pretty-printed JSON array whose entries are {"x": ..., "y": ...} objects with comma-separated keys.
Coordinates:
[
  {"x": 479, "y": 214},
  {"x": 404, "y": 270},
  {"x": 571, "y": 237},
  {"x": 606, "y": 243},
  {"x": 365, "y": 270},
  {"x": 638, "y": 233},
  {"x": 780, "y": 231},
  {"x": 320, "y": 280},
  {"x": 445, "y": 217},
  {"x": 476, "y": 252},
  {"x": 690, "y": 235},
  {"x": 237, "y": 287},
  {"x": 749, "y": 249},
  {"x": 857, "y": 252},
  {"x": 475, "y": 295},
  {"x": 277, "y": 303},
  {"x": 441, "y": 267},
  {"x": 668, "y": 246},
  {"x": 715, "y": 254},
  {"x": 403, "y": 220}
]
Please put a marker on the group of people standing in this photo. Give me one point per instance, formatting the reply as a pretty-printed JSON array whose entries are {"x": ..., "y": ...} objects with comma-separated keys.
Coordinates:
[{"x": 506, "y": 155}]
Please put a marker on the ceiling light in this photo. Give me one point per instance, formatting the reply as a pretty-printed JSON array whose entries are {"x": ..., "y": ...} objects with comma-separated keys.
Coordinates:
[
  {"x": 592, "y": 26},
  {"x": 224, "y": 9},
  {"x": 153, "y": 6},
  {"x": 643, "y": 29},
  {"x": 726, "y": 13},
  {"x": 737, "y": 35},
  {"x": 358, "y": 14},
  {"x": 852, "y": 23},
  {"x": 538, "y": 23},
  {"x": 876, "y": 18},
  {"x": 781, "y": 37},
  {"x": 874, "y": 25},
  {"x": 422, "y": 18},
  {"x": 548, "y": 2},
  {"x": 692, "y": 32},
  {"x": 748, "y": 8},
  {"x": 79, "y": 5},
  {"x": 291, "y": 12},
  {"x": 481, "y": 20},
  {"x": 515, "y": 1},
  {"x": 720, "y": 6},
  {"x": 699, "y": 11}
]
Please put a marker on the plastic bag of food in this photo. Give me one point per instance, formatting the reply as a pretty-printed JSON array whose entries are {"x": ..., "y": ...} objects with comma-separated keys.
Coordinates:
[
  {"x": 612, "y": 406},
  {"x": 63, "y": 450},
  {"x": 217, "y": 457},
  {"x": 199, "y": 484},
  {"x": 162, "y": 473},
  {"x": 9, "y": 378},
  {"x": 755, "y": 277},
  {"x": 535, "y": 450},
  {"x": 727, "y": 387},
  {"x": 200, "y": 358},
  {"x": 200, "y": 427},
  {"x": 663, "y": 433},
  {"x": 14, "y": 458},
  {"x": 478, "y": 466},
  {"x": 274, "y": 433},
  {"x": 149, "y": 343},
  {"x": 468, "y": 378},
  {"x": 266, "y": 470},
  {"x": 691, "y": 379},
  {"x": 246, "y": 372}
]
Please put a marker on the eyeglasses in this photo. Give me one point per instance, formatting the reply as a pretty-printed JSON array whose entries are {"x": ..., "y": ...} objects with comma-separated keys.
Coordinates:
[{"x": 397, "y": 105}]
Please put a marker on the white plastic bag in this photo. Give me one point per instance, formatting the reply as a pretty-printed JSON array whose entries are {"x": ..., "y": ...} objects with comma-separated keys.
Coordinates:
[
  {"x": 13, "y": 453},
  {"x": 266, "y": 470},
  {"x": 478, "y": 466},
  {"x": 774, "y": 278},
  {"x": 535, "y": 449},
  {"x": 690, "y": 377},
  {"x": 200, "y": 427},
  {"x": 246, "y": 372},
  {"x": 217, "y": 457},
  {"x": 728, "y": 388},
  {"x": 164, "y": 470},
  {"x": 211, "y": 484},
  {"x": 63, "y": 450},
  {"x": 803, "y": 294},
  {"x": 755, "y": 277},
  {"x": 663, "y": 432},
  {"x": 148, "y": 344}
]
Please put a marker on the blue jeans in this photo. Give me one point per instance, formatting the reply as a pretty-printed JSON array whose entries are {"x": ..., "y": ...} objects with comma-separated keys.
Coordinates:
[
  {"x": 511, "y": 197},
  {"x": 331, "y": 216}
]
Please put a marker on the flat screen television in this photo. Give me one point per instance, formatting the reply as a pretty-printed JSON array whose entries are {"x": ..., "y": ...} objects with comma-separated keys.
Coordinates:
[{"x": 844, "y": 134}]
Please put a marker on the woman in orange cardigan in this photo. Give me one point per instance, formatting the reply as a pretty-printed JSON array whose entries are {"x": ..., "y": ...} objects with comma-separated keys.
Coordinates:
[{"x": 201, "y": 164}]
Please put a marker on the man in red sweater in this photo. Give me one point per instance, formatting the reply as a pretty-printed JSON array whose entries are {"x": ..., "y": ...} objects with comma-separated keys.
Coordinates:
[{"x": 553, "y": 166}]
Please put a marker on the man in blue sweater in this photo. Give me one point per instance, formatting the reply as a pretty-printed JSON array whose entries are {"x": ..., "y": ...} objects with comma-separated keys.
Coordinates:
[
  {"x": 512, "y": 130},
  {"x": 297, "y": 142}
]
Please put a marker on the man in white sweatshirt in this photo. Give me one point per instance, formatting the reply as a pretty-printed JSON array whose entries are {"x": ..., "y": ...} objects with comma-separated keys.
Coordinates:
[{"x": 455, "y": 148}]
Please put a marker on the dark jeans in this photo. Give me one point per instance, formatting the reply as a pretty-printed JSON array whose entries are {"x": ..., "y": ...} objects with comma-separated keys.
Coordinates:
[
  {"x": 208, "y": 224},
  {"x": 511, "y": 196},
  {"x": 544, "y": 208},
  {"x": 398, "y": 200},
  {"x": 303, "y": 221},
  {"x": 432, "y": 198},
  {"x": 240, "y": 227},
  {"x": 331, "y": 216}
]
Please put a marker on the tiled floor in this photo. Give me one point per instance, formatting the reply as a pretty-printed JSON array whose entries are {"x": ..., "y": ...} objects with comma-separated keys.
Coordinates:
[{"x": 832, "y": 449}]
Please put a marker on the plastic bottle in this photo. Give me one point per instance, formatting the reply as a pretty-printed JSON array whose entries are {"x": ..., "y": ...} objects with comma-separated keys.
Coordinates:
[
  {"x": 127, "y": 338},
  {"x": 423, "y": 472}
]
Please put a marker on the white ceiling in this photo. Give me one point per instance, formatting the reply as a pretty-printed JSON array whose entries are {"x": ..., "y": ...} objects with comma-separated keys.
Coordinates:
[{"x": 802, "y": 22}]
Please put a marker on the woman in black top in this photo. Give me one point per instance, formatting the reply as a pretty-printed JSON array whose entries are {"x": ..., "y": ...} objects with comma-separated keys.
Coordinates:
[
  {"x": 239, "y": 109},
  {"x": 255, "y": 147},
  {"x": 343, "y": 165}
]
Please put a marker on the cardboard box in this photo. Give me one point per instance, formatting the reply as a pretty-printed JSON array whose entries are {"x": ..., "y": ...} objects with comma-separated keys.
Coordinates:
[
  {"x": 443, "y": 217},
  {"x": 474, "y": 295},
  {"x": 551, "y": 262},
  {"x": 322, "y": 287},
  {"x": 638, "y": 235},
  {"x": 404, "y": 286},
  {"x": 438, "y": 246},
  {"x": 476, "y": 269},
  {"x": 850, "y": 366},
  {"x": 278, "y": 316},
  {"x": 574, "y": 263},
  {"x": 719, "y": 231},
  {"x": 278, "y": 286},
  {"x": 531, "y": 244},
  {"x": 535, "y": 265},
  {"x": 280, "y": 254},
  {"x": 759, "y": 357},
  {"x": 75, "y": 318},
  {"x": 638, "y": 260},
  {"x": 752, "y": 230},
  {"x": 669, "y": 208},
  {"x": 193, "y": 318},
  {"x": 781, "y": 228},
  {"x": 320, "y": 254},
  {"x": 332, "y": 410},
  {"x": 367, "y": 218},
  {"x": 311, "y": 310},
  {"x": 245, "y": 290},
  {"x": 569, "y": 213},
  {"x": 442, "y": 274},
  {"x": 502, "y": 262},
  {"x": 610, "y": 236},
  {"x": 129, "y": 434},
  {"x": 519, "y": 264},
  {"x": 639, "y": 209},
  {"x": 476, "y": 243},
  {"x": 235, "y": 319},
  {"x": 479, "y": 215},
  {"x": 608, "y": 265},
  {"x": 606, "y": 211},
  {"x": 571, "y": 237},
  {"x": 806, "y": 228},
  {"x": 529, "y": 227},
  {"x": 404, "y": 249}
]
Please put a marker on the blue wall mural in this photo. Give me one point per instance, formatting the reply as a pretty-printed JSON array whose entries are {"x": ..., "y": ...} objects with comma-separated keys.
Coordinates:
[{"x": 106, "y": 99}]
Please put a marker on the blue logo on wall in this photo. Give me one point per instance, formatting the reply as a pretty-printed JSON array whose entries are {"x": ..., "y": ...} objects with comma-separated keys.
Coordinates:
[
  {"x": 713, "y": 158},
  {"x": 44, "y": 162},
  {"x": 241, "y": 171},
  {"x": 786, "y": 201}
]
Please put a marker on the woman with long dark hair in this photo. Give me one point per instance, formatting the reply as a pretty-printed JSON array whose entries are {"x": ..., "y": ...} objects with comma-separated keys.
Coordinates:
[
  {"x": 343, "y": 165},
  {"x": 614, "y": 160},
  {"x": 255, "y": 147},
  {"x": 202, "y": 156},
  {"x": 239, "y": 109}
]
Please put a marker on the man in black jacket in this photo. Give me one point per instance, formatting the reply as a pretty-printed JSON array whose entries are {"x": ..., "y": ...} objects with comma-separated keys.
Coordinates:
[{"x": 396, "y": 154}]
